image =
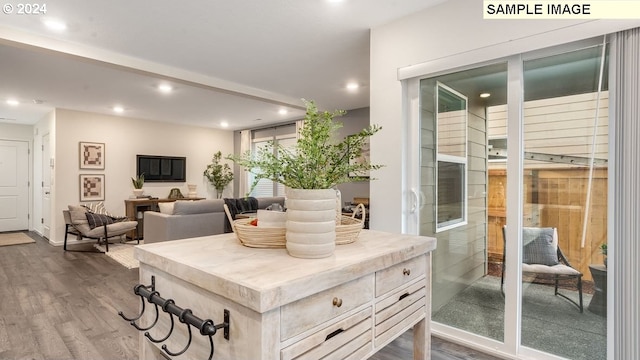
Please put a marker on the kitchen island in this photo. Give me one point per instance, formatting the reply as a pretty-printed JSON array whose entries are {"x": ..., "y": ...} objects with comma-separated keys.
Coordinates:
[{"x": 347, "y": 306}]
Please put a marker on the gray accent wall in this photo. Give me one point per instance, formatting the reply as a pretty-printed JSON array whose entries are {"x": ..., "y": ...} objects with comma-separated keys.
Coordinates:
[{"x": 353, "y": 122}]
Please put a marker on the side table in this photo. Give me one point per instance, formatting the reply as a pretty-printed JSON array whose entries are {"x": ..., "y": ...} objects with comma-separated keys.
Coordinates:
[{"x": 598, "y": 304}]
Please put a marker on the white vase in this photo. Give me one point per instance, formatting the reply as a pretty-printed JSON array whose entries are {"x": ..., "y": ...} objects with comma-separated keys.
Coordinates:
[
  {"x": 311, "y": 224},
  {"x": 192, "y": 191},
  {"x": 138, "y": 192}
]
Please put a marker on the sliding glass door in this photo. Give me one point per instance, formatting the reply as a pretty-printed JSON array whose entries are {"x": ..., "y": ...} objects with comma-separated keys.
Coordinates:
[
  {"x": 565, "y": 189},
  {"x": 457, "y": 210},
  {"x": 509, "y": 164}
]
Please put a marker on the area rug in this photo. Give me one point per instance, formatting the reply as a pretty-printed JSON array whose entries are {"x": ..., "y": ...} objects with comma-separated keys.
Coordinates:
[
  {"x": 122, "y": 253},
  {"x": 15, "y": 238}
]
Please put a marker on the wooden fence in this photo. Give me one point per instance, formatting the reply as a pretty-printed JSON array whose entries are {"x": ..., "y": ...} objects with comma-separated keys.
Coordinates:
[{"x": 555, "y": 197}]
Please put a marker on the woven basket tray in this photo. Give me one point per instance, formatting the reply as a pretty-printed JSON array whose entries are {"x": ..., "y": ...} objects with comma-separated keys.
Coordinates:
[
  {"x": 349, "y": 229},
  {"x": 274, "y": 238},
  {"x": 254, "y": 236}
]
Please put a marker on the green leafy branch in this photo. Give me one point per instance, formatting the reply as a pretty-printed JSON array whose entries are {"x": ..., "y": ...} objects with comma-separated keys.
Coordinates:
[{"x": 318, "y": 160}]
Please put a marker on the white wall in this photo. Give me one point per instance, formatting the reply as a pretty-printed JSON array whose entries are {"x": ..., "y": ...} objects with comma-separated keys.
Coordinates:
[
  {"x": 124, "y": 138},
  {"x": 441, "y": 38},
  {"x": 16, "y": 132}
]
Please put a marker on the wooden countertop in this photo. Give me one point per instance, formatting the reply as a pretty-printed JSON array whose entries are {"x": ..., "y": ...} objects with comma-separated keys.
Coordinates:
[{"x": 264, "y": 279}]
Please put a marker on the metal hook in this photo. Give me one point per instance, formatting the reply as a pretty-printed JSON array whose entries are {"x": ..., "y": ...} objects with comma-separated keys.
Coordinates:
[
  {"x": 209, "y": 326},
  {"x": 164, "y": 308},
  {"x": 181, "y": 318},
  {"x": 136, "y": 290},
  {"x": 212, "y": 350},
  {"x": 133, "y": 323}
]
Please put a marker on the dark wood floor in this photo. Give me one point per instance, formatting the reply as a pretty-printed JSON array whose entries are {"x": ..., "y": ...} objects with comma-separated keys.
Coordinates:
[{"x": 64, "y": 305}]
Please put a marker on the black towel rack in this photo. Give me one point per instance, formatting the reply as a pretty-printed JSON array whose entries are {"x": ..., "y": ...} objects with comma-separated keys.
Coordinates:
[{"x": 205, "y": 327}]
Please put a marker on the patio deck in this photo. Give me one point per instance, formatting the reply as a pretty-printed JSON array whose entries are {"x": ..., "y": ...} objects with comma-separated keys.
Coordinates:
[{"x": 550, "y": 323}]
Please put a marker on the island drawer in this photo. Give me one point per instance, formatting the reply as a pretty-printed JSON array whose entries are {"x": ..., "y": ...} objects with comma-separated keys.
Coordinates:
[
  {"x": 319, "y": 308},
  {"x": 400, "y": 274},
  {"x": 348, "y": 339},
  {"x": 395, "y": 312}
]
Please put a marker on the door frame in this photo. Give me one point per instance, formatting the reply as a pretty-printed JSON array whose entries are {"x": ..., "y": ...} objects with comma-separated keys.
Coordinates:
[{"x": 46, "y": 161}]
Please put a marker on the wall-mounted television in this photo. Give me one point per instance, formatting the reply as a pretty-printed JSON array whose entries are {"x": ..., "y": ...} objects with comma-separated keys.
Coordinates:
[{"x": 162, "y": 168}]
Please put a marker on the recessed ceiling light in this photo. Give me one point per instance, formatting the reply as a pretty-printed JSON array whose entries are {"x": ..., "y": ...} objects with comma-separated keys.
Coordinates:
[
  {"x": 55, "y": 25},
  {"x": 165, "y": 88},
  {"x": 485, "y": 95},
  {"x": 352, "y": 86},
  {"x": 224, "y": 124},
  {"x": 118, "y": 109},
  {"x": 283, "y": 111},
  {"x": 13, "y": 102}
]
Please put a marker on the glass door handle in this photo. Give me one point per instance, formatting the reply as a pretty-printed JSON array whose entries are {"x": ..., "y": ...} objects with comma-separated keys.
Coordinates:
[
  {"x": 415, "y": 202},
  {"x": 418, "y": 201}
]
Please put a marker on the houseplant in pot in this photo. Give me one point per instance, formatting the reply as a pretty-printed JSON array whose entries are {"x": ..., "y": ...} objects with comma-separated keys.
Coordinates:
[
  {"x": 138, "y": 182},
  {"x": 219, "y": 175},
  {"x": 310, "y": 170}
]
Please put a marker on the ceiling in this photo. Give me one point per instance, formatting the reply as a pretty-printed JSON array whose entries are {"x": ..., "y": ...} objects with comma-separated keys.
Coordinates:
[{"x": 238, "y": 62}]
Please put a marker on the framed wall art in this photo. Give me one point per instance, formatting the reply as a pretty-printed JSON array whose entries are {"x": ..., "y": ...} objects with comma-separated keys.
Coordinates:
[
  {"x": 92, "y": 155},
  {"x": 91, "y": 187}
]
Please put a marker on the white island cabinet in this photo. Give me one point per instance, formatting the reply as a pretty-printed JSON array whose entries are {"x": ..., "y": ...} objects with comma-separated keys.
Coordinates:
[{"x": 346, "y": 306}]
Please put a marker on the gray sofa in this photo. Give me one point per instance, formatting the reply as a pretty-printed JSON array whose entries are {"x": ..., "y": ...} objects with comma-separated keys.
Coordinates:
[{"x": 192, "y": 219}]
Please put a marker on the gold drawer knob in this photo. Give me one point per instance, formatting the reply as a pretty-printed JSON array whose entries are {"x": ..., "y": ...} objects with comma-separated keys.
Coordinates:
[
  {"x": 337, "y": 302},
  {"x": 406, "y": 272}
]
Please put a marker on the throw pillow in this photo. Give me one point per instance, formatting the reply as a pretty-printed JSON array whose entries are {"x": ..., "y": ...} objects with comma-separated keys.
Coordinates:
[
  {"x": 96, "y": 220},
  {"x": 539, "y": 247},
  {"x": 98, "y": 208},
  {"x": 166, "y": 207}
]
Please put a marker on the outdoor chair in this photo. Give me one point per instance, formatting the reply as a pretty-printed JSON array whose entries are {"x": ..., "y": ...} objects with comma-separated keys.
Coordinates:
[
  {"x": 543, "y": 259},
  {"x": 83, "y": 223}
]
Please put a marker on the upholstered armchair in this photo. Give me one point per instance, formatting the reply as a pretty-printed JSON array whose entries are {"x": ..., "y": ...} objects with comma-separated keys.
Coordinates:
[{"x": 86, "y": 224}]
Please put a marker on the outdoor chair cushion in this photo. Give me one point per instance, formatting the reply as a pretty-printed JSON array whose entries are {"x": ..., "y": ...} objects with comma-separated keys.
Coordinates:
[
  {"x": 539, "y": 246},
  {"x": 558, "y": 269}
]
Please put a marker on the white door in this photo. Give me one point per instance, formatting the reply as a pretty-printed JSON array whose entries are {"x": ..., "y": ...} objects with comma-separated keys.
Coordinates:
[
  {"x": 14, "y": 185},
  {"x": 46, "y": 187}
]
